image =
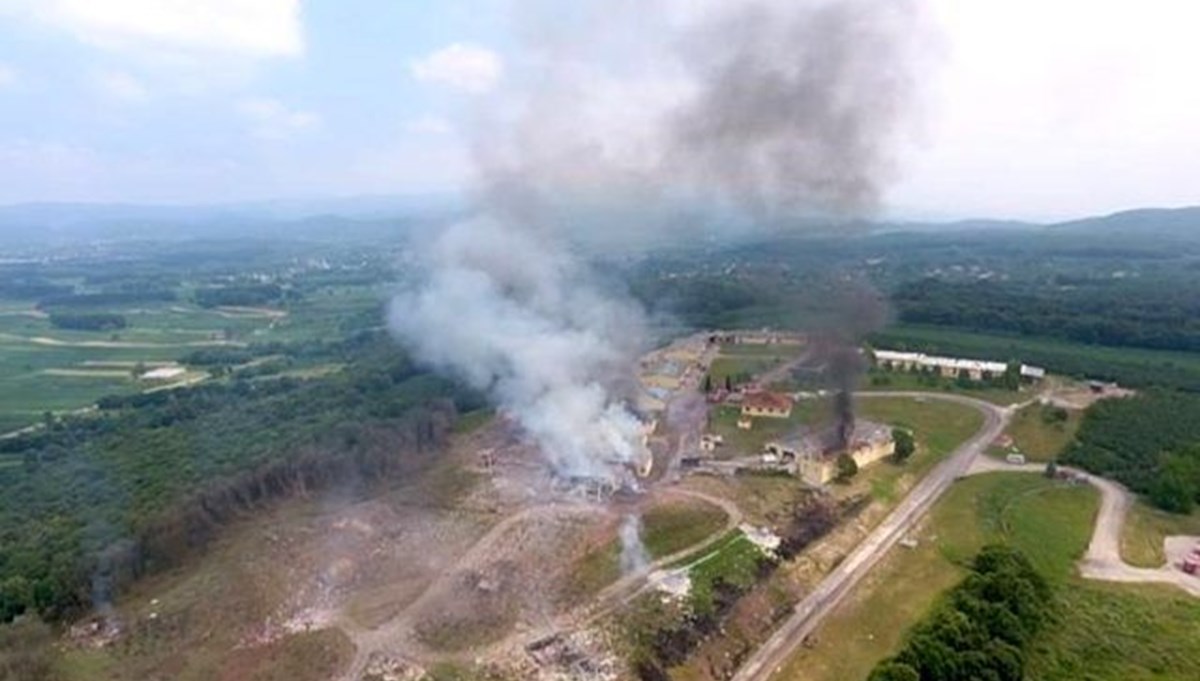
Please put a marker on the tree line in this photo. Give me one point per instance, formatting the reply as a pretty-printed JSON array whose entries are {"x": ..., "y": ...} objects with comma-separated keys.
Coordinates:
[
  {"x": 88, "y": 321},
  {"x": 1143, "y": 315},
  {"x": 982, "y": 630},
  {"x": 1150, "y": 443}
]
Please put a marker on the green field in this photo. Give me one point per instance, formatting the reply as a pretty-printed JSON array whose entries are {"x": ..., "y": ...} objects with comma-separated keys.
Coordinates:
[
  {"x": 884, "y": 381},
  {"x": 724, "y": 419},
  {"x": 1105, "y": 632},
  {"x": 1038, "y": 436}
]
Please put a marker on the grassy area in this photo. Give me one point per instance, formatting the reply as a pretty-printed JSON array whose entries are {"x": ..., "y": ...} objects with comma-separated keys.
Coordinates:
[
  {"x": 938, "y": 428},
  {"x": 1145, "y": 530},
  {"x": 724, "y": 420},
  {"x": 897, "y": 380},
  {"x": 734, "y": 560},
  {"x": 1050, "y": 522},
  {"x": 1037, "y": 434},
  {"x": 668, "y": 528}
]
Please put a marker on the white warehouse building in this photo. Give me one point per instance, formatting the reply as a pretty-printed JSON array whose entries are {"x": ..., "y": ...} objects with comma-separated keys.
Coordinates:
[{"x": 951, "y": 367}]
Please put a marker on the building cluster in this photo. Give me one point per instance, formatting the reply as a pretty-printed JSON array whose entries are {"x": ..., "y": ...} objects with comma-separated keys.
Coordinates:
[{"x": 952, "y": 367}]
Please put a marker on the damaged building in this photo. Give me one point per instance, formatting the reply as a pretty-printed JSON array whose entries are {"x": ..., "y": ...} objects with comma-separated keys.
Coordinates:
[{"x": 812, "y": 455}]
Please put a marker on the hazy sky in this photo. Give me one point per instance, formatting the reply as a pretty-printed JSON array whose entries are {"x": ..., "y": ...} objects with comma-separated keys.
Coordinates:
[{"x": 1038, "y": 109}]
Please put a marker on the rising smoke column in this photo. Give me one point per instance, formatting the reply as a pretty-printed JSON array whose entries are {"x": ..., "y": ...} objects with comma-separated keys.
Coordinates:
[
  {"x": 517, "y": 317},
  {"x": 787, "y": 111}
]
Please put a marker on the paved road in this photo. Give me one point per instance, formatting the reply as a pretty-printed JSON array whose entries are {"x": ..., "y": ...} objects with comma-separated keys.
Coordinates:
[{"x": 809, "y": 613}]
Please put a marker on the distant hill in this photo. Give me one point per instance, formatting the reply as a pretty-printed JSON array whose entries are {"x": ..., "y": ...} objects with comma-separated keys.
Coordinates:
[
  {"x": 1174, "y": 222},
  {"x": 342, "y": 217}
]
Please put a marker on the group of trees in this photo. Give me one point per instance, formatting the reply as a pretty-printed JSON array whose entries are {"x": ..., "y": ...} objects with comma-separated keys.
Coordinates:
[
  {"x": 88, "y": 321},
  {"x": 983, "y": 628},
  {"x": 1157, "y": 316},
  {"x": 244, "y": 295},
  {"x": 102, "y": 499},
  {"x": 1151, "y": 443}
]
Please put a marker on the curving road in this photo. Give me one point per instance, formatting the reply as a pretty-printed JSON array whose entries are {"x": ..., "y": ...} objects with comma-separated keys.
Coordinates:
[{"x": 809, "y": 613}]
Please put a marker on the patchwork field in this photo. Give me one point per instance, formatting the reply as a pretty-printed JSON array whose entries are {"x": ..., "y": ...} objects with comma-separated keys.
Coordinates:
[{"x": 44, "y": 368}]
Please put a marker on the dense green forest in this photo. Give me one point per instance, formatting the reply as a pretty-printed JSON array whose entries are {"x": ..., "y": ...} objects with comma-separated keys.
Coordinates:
[
  {"x": 1150, "y": 443},
  {"x": 982, "y": 629},
  {"x": 1102, "y": 311},
  {"x": 97, "y": 501}
]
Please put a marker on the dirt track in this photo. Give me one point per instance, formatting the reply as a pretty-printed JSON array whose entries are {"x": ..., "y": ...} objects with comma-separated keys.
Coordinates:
[{"x": 1103, "y": 560}]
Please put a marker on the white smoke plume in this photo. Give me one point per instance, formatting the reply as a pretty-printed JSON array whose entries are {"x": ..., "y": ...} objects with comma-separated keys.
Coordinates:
[
  {"x": 779, "y": 109},
  {"x": 515, "y": 316},
  {"x": 634, "y": 557}
]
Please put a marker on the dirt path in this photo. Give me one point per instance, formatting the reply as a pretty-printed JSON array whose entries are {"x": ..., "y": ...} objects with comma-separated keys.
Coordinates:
[
  {"x": 1103, "y": 561},
  {"x": 397, "y": 635}
]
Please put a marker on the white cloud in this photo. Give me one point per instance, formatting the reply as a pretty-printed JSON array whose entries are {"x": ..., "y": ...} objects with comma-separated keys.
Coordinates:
[
  {"x": 271, "y": 119},
  {"x": 255, "y": 28},
  {"x": 469, "y": 68},
  {"x": 8, "y": 76},
  {"x": 120, "y": 86}
]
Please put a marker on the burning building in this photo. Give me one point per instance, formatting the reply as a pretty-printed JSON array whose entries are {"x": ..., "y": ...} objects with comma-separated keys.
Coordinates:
[{"x": 812, "y": 455}]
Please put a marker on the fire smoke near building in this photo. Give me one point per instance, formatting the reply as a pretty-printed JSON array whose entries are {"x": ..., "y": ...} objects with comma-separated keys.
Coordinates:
[{"x": 785, "y": 112}]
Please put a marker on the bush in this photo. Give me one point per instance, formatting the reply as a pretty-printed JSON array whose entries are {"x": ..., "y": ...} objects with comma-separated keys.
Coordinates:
[
  {"x": 905, "y": 445},
  {"x": 847, "y": 468}
]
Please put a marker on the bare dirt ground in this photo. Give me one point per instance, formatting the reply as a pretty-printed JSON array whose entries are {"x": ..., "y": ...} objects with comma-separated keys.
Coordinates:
[{"x": 1103, "y": 560}]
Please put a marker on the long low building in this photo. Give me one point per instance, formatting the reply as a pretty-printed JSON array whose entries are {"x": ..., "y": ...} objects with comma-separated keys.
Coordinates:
[{"x": 951, "y": 367}]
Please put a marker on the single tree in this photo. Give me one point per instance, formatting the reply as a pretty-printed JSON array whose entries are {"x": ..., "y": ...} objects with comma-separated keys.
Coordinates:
[
  {"x": 1052, "y": 470},
  {"x": 728, "y": 384},
  {"x": 905, "y": 445},
  {"x": 847, "y": 468},
  {"x": 708, "y": 383}
]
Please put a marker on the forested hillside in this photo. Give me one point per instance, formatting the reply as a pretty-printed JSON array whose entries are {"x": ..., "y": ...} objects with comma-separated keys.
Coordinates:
[{"x": 95, "y": 501}]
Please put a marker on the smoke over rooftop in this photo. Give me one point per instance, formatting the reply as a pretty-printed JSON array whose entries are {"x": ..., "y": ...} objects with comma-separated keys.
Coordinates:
[{"x": 781, "y": 111}]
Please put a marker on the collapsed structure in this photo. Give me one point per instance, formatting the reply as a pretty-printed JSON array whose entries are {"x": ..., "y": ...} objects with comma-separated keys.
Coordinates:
[{"x": 812, "y": 455}]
